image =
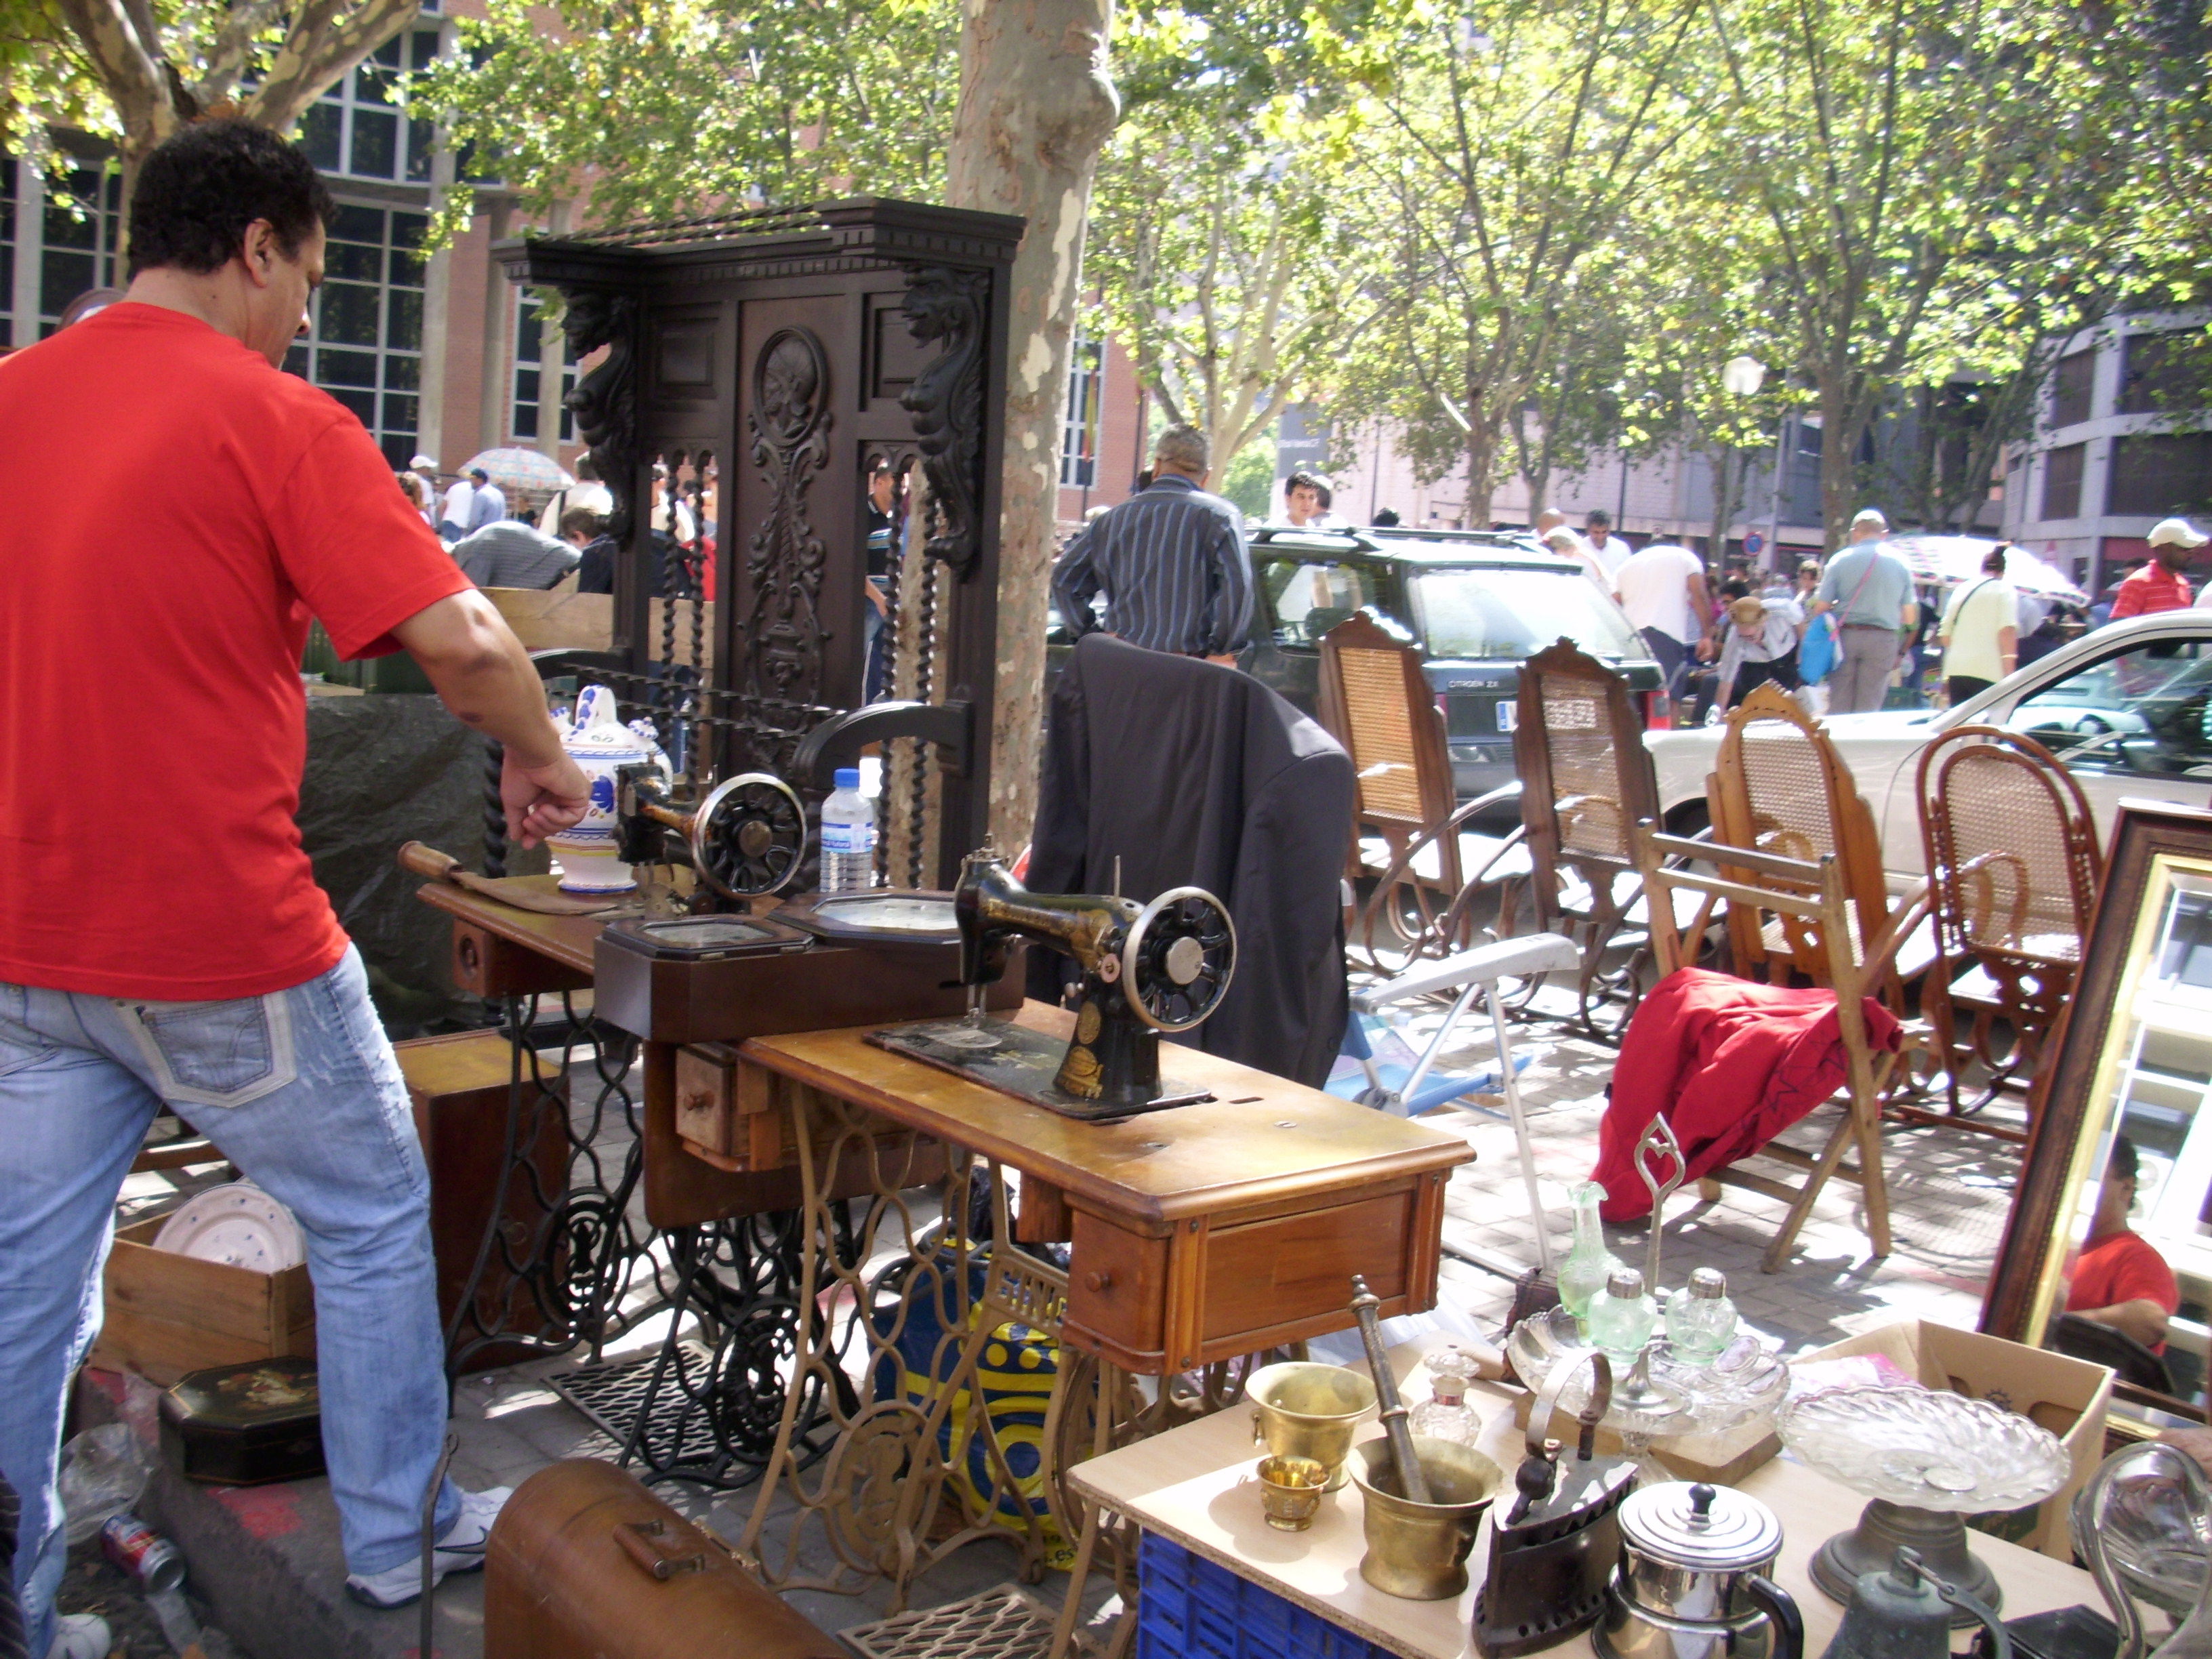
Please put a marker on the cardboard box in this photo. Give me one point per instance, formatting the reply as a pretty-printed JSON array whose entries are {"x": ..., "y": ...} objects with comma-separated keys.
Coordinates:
[
  {"x": 168, "y": 1314},
  {"x": 2067, "y": 1396}
]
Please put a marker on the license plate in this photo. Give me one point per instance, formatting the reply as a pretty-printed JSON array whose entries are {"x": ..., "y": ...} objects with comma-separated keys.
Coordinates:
[{"x": 1509, "y": 713}]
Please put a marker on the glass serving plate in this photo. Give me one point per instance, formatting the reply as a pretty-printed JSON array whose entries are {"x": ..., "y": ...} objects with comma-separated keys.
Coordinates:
[
  {"x": 1744, "y": 1381},
  {"x": 1927, "y": 1448}
]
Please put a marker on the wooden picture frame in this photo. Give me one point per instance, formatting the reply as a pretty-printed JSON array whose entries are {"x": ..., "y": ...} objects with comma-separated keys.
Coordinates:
[{"x": 2076, "y": 1097}]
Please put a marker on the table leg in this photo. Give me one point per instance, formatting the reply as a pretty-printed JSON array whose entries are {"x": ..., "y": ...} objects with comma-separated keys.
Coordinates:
[
  {"x": 561, "y": 1251},
  {"x": 1086, "y": 1543}
]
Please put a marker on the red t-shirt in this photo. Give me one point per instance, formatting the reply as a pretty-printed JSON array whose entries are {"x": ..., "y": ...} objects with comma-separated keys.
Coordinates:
[
  {"x": 2152, "y": 589},
  {"x": 177, "y": 510},
  {"x": 2121, "y": 1266}
]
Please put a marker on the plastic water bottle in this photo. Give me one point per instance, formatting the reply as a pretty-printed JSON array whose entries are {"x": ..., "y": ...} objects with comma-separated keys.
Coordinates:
[{"x": 849, "y": 836}]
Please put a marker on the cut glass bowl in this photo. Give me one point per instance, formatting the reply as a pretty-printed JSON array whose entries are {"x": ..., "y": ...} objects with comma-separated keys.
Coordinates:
[
  {"x": 1746, "y": 1381},
  {"x": 1926, "y": 1448}
]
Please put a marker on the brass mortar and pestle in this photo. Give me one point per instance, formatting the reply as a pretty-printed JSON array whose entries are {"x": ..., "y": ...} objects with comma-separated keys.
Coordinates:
[{"x": 1422, "y": 1499}]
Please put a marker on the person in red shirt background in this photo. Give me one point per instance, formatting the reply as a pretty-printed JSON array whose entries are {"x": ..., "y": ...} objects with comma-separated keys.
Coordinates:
[
  {"x": 2160, "y": 584},
  {"x": 163, "y": 945},
  {"x": 2119, "y": 1279}
]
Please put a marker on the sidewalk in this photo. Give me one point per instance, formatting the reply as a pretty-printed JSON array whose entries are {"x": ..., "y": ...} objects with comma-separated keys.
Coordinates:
[{"x": 267, "y": 1558}]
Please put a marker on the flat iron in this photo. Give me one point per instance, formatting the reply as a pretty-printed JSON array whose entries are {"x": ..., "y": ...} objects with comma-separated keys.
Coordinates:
[{"x": 1553, "y": 1553}]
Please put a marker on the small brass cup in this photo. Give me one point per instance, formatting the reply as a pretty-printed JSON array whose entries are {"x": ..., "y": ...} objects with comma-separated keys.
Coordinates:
[
  {"x": 1291, "y": 1492},
  {"x": 1418, "y": 1550},
  {"x": 1310, "y": 1411}
]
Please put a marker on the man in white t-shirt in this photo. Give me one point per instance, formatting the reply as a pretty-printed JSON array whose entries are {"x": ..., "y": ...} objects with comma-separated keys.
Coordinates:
[
  {"x": 1611, "y": 551},
  {"x": 459, "y": 508},
  {"x": 1662, "y": 589}
]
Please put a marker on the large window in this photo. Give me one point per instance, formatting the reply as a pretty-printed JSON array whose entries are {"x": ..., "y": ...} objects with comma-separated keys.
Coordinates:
[
  {"x": 83, "y": 207},
  {"x": 366, "y": 347},
  {"x": 2157, "y": 473},
  {"x": 356, "y": 127},
  {"x": 2062, "y": 481},
  {"x": 2071, "y": 383},
  {"x": 529, "y": 378},
  {"x": 1079, "y": 437},
  {"x": 2162, "y": 374}
]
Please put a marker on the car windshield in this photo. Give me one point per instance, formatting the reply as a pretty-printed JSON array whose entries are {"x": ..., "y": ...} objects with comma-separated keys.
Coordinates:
[{"x": 1504, "y": 613}]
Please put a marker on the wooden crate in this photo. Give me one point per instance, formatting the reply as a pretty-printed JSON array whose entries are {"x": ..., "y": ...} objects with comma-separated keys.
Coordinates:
[{"x": 169, "y": 1314}]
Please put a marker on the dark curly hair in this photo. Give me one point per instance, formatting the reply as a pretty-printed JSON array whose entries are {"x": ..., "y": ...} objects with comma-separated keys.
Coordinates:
[{"x": 199, "y": 190}]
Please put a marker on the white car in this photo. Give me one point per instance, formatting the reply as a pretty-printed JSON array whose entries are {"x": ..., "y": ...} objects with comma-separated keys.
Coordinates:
[{"x": 2127, "y": 707}]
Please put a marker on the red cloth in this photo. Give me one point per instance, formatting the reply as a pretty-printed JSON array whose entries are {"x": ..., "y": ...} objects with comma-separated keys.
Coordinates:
[
  {"x": 1731, "y": 1063},
  {"x": 2152, "y": 589},
  {"x": 176, "y": 509}
]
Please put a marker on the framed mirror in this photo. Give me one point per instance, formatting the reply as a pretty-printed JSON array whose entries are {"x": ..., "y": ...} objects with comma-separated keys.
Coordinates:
[{"x": 2107, "y": 1253}]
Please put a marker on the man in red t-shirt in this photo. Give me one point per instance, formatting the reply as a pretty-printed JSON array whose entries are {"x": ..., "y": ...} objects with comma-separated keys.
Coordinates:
[
  {"x": 179, "y": 509},
  {"x": 2160, "y": 584},
  {"x": 2119, "y": 1279}
]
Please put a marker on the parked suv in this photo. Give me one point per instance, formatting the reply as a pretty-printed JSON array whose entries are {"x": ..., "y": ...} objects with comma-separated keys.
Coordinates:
[{"x": 1479, "y": 602}]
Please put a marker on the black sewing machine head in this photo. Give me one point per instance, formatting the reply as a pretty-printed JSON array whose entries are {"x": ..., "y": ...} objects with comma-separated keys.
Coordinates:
[
  {"x": 1146, "y": 968},
  {"x": 1553, "y": 1552},
  {"x": 747, "y": 838}
]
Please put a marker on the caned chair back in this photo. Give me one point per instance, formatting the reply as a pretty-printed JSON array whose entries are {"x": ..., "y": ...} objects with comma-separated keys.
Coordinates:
[
  {"x": 1586, "y": 778},
  {"x": 1375, "y": 701},
  {"x": 2011, "y": 846},
  {"x": 1779, "y": 787}
]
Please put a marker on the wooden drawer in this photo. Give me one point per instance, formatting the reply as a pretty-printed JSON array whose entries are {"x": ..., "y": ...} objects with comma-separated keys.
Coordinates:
[{"x": 1170, "y": 1296}]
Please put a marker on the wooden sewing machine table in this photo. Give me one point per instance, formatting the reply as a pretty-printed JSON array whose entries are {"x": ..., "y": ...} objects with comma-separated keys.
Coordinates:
[{"x": 1195, "y": 1236}]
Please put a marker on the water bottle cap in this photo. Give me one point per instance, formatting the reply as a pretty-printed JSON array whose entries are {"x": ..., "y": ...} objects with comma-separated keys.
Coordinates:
[{"x": 848, "y": 777}]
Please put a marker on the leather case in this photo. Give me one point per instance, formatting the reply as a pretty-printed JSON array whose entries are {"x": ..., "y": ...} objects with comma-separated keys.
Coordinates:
[{"x": 584, "y": 1563}]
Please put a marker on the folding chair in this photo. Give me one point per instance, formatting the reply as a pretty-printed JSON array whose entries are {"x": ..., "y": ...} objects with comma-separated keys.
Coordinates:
[
  {"x": 1470, "y": 973},
  {"x": 2014, "y": 870},
  {"x": 1809, "y": 904}
]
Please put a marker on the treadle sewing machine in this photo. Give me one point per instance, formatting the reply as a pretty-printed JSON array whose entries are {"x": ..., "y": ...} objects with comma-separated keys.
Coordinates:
[{"x": 1146, "y": 969}]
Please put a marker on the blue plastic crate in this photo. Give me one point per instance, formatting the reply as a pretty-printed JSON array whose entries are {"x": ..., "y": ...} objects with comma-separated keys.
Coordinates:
[{"x": 1187, "y": 1607}]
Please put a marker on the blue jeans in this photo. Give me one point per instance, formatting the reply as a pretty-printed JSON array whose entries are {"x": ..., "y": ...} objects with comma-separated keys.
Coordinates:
[{"x": 299, "y": 1089}]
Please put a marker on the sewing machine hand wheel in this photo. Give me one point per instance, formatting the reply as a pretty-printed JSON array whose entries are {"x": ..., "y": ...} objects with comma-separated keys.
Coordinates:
[
  {"x": 749, "y": 835},
  {"x": 1180, "y": 957}
]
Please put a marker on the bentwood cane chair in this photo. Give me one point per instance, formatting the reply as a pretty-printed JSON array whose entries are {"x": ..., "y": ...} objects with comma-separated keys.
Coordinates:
[{"x": 2015, "y": 869}]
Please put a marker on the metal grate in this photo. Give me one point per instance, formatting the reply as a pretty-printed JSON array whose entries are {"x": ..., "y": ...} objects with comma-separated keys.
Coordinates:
[
  {"x": 1009, "y": 1622},
  {"x": 1381, "y": 734}
]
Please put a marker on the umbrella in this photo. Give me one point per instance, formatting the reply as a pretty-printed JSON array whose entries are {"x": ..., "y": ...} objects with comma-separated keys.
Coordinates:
[
  {"x": 1952, "y": 560},
  {"x": 522, "y": 469}
]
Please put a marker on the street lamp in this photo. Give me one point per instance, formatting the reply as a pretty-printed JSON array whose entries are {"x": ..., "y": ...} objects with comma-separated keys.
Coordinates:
[{"x": 1740, "y": 378}]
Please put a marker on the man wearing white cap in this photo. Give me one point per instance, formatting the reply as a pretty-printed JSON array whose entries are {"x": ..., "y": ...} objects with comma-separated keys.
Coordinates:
[
  {"x": 2160, "y": 584},
  {"x": 1870, "y": 590}
]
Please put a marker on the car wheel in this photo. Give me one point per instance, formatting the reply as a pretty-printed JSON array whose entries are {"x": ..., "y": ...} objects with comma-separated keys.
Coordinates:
[{"x": 1691, "y": 818}]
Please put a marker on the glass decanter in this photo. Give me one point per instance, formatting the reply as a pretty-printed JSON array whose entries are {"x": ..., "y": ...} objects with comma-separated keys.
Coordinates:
[
  {"x": 1588, "y": 1263},
  {"x": 1444, "y": 1415},
  {"x": 1701, "y": 1321},
  {"x": 1622, "y": 1316}
]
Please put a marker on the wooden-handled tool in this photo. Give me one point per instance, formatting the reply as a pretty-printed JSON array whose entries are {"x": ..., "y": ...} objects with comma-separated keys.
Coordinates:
[
  {"x": 521, "y": 891},
  {"x": 1364, "y": 1306}
]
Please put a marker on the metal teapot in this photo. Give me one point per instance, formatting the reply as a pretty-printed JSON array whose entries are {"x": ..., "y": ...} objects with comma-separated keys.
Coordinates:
[
  {"x": 1693, "y": 1582},
  {"x": 1904, "y": 1612}
]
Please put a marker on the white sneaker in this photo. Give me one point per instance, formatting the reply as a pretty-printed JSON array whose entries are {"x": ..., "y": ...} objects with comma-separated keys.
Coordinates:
[
  {"x": 461, "y": 1550},
  {"x": 81, "y": 1636}
]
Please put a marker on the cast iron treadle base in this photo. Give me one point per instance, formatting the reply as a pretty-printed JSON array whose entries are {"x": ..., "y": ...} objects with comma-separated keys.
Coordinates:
[
  {"x": 1015, "y": 1060},
  {"x": 677, "y": 1440},
  {"x": 1005, "y": 1623}
]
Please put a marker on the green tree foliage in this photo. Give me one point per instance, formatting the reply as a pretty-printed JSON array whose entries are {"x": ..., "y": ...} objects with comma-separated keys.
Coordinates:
[
  {"x": 660, "y": 108},
  {"x": 1500, "y": 158},
  {"x": 132, "y": 71}
]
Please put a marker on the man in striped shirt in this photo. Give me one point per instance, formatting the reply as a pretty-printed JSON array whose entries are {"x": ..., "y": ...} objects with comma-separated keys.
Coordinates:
[{"x": 1171, "y": 561}]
